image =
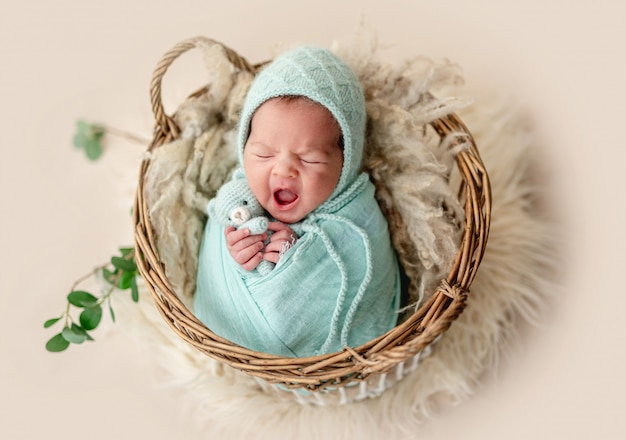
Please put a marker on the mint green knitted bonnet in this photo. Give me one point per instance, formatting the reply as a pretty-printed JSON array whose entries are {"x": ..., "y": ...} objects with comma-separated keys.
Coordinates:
[{"x": 317, "y": 74}]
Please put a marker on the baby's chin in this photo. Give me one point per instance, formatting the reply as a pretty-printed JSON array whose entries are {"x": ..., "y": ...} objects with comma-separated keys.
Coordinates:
[
  {"x": 291, "y": 215},
  {"x": 286, "y": 217}
]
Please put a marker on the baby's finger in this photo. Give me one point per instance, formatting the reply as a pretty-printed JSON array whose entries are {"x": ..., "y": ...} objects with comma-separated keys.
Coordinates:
[
  {"x": 271, "y": 256},
  {"x": 253, "y": 262},
  {"x": 234, "y": 235},
  {"x": 283, "y": 237},
  {"x": 243, "y": 256},
  {"x": 279, "y": 246},
  {"x": 275, "y": 246},
  {"x": 278, "y": 226},
  {"x": 255, "y": 241},
  {"x": 282, "y": 231},
  {"x": 238, "y": 240}
]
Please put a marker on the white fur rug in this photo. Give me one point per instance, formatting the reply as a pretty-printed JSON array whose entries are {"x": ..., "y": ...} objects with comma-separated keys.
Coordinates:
[{"x": 511, "y": 287}]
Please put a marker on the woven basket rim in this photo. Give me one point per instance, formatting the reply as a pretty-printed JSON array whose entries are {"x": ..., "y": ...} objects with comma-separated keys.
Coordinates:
[{"x": 352, "y": 364}]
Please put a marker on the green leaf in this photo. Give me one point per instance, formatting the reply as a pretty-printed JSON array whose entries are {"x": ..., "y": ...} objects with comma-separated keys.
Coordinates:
[
  {"x": 50, "y": 322},
  {"x": 80, "y": 298},
  {"x": 125, "y": 280},
  {"x": 112, "y": 313},
  {"x": 83, "y": 126},
  {"x": 126, "y": 250},
  {"x": 57, "y": 343},
  {"x": 93, "y": 149},
  {"x": 134, "y": 290},
  {"x": 109, "y": 275},
  {"x": 88, "y": 137},
  {"x": 90, "y": 318},
  {"x": 74, "y": 334},
  {"x": 80, "y": 140},
  {"x": 123, "y": 264},
  {"x": 92, "y": 131}
]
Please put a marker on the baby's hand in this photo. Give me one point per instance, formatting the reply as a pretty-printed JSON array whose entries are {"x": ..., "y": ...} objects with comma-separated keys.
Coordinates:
[
  {"x": 281, "y": 240},
  {"x": 245, "y": 249}
]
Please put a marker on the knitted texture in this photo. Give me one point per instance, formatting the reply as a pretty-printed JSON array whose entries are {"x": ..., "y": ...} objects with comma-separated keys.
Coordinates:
[
  {"x": 317, "y": 74},
  {"x": 322, "y": 294},
  {"x": 235, "y": 205}
]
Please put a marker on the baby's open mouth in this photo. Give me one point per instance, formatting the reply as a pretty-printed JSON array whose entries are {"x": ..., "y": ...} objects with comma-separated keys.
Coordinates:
[{"x": 285, "y": 197}]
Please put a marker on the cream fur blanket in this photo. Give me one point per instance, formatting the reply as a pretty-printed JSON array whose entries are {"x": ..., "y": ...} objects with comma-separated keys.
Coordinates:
[{"x": 512, "y": 283}]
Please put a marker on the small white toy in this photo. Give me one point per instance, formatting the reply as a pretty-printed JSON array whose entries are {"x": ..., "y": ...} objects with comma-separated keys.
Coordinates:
[{"x": 235, "y": 205}]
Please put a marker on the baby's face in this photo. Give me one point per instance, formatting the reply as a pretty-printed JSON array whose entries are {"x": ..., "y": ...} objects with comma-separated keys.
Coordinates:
[{"x": 292, "y": 157}]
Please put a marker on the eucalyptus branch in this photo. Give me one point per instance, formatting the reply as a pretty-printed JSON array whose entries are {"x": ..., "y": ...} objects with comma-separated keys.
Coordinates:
[
  {"x": 121, "y": 273},
  {"x": 88, "y": 137},
  {"x": 126, "y": 135}
]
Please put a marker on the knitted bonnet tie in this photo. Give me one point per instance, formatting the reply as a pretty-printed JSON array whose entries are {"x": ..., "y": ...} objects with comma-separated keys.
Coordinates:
[{"x": 310, "y": 227}]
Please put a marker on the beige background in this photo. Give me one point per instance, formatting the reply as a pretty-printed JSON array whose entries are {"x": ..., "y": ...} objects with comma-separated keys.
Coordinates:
[{"x": 61, "y": 216}]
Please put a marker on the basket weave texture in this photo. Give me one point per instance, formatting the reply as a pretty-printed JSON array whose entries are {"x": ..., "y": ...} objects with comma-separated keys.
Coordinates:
[{"x": 352, "y": 365}]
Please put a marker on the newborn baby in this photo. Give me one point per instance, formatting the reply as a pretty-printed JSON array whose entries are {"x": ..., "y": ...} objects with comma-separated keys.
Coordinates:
[{"x": 336, "y": 282}]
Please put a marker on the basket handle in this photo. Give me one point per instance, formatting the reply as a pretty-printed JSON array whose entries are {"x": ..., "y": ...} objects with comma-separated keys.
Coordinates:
[{"x": 164, "y": 123}]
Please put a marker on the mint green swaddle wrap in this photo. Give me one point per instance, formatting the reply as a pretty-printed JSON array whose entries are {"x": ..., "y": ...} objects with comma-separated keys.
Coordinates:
[{"x": 339, "y": 285}]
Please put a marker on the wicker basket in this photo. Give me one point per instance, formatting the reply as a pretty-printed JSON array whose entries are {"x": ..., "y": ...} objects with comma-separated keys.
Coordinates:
[{"x": 354, "y": 373}]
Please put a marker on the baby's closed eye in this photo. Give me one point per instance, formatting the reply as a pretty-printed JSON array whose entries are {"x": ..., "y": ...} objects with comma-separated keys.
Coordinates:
[{"x": 312, "y": 159}]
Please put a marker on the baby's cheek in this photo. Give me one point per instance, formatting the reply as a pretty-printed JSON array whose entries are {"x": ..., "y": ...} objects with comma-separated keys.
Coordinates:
[{"x": 258, "y": 184}]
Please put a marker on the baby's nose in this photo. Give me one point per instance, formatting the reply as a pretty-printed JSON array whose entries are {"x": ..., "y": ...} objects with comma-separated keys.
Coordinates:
[{"x": 285, "y": 168}]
